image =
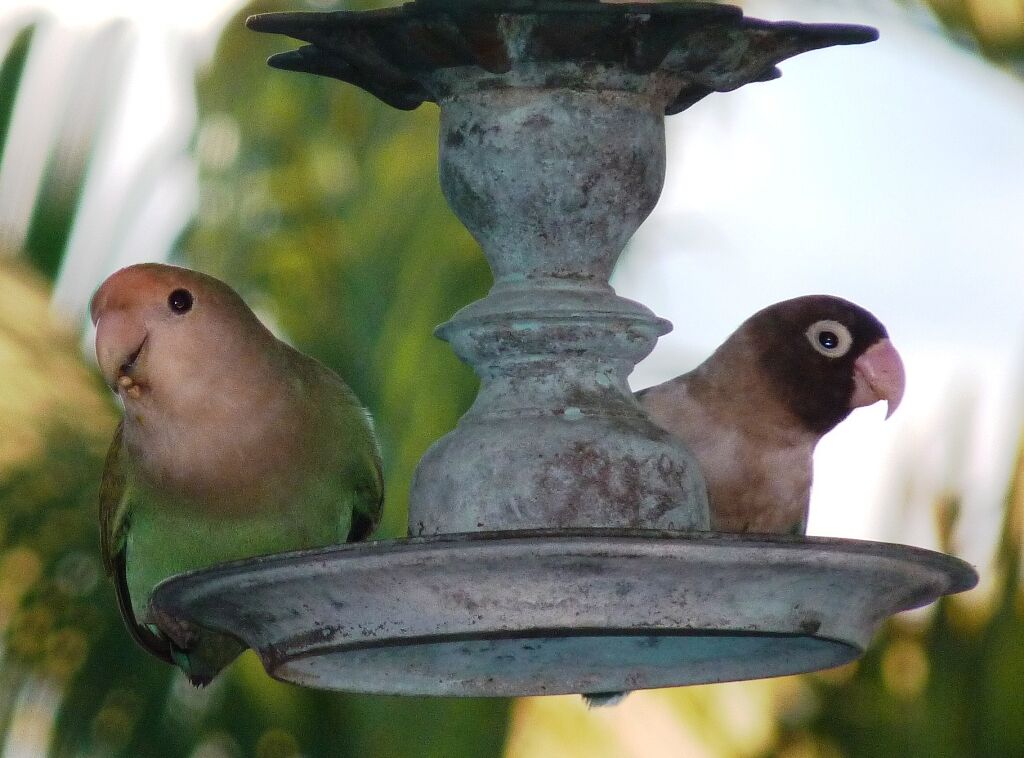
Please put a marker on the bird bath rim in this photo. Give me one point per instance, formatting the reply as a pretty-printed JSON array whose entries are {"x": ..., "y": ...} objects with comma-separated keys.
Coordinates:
[{"x": 553, "y": 611}]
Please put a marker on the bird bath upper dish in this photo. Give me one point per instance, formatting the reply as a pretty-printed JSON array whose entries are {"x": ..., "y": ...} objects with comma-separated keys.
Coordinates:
[{"x": 559, "y": 538}]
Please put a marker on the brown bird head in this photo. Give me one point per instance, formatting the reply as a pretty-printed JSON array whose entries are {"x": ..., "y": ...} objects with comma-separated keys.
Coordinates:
[
  {"x": 161, "y": 326},
  {"x": 824, "y": 357}
]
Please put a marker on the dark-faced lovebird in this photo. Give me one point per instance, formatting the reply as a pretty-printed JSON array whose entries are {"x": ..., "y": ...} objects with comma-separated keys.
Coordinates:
[{"x": 753, "y": 412}]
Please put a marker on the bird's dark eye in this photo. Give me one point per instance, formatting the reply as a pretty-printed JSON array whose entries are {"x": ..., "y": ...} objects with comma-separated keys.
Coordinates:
[
  {"x": 180, "y": 301},
  {"x": 830, "y": 338}
]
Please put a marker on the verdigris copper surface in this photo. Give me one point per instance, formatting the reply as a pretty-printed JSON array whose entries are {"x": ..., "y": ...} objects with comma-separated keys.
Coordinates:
[
  {"x": 556, "y": 612},
  {"x": 546, "y": 183},
  {"x": 552, "y": 154},
  {"x": 394, "y": 53}
]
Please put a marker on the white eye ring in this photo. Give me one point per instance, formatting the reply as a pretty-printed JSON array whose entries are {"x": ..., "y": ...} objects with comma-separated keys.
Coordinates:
[{"x": 830, "y": 338}]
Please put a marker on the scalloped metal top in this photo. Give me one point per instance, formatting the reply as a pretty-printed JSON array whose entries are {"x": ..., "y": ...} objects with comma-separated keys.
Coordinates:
[{"x": 394, "y": 53}]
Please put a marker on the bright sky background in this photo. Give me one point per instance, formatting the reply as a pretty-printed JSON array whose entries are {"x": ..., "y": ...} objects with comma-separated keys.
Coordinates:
[
  {"x": 142, "y": 188},
  {"x": 888, "y": 173},
  {"x": 193, "y": 16}
]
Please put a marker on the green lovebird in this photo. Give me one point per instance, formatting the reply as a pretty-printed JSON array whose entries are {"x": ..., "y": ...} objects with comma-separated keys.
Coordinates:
[{"x": 232, "y": 445}]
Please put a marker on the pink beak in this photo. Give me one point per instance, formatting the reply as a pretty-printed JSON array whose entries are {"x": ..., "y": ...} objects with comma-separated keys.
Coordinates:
[
  {"x": 878, "y": 375},
  {"x": 119, "y": 337}
]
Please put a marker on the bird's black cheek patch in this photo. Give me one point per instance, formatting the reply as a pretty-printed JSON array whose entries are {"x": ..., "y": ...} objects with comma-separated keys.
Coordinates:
[{"x": 820, "y": 398}]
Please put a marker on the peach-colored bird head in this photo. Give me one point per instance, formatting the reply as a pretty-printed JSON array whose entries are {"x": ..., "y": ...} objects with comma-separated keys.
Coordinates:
[{"x": 159, "y": 324}]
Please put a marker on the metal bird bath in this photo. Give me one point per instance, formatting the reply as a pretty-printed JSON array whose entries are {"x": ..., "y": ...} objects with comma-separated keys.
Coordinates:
[{"x": 559, "y": 538}]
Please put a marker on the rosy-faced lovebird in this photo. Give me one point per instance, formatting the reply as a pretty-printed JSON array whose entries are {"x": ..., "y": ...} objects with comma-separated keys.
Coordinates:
[
  {"x": 753, "y": 412},
  {"x": 232, "y": 445}
]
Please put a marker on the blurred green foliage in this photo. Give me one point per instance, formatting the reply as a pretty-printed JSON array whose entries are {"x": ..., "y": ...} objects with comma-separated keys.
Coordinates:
[
  {"x": 60, "y": 621},
  {"x": 952, "y": 688},
  {"x": 995, "y": 26},
  {"x": 58, "y": 614},
  {"x": 322, "y": 207},
  {"x": 11, "y": 68},
  {"x": 88, "y": 110}
]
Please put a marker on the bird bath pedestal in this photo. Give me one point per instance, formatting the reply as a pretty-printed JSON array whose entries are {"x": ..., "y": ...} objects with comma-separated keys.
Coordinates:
[{"x": 559, "y": 538}]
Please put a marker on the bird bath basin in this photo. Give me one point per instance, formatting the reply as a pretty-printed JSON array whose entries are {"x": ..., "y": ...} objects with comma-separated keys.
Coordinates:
[
  {"x": 542, "y": 613},
  {"x": 559, "y": 538}
]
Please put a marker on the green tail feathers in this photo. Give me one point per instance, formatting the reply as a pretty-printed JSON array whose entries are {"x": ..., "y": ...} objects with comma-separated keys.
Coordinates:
[{"x": 206, "y": 658}]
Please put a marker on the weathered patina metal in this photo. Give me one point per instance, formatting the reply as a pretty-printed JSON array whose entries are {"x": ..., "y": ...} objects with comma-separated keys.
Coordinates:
[
  {"x": 553, "y": 183},
  {"x": 552, "y": 154},
  {"x": 395, "y": 53},
  {"x": 549, "y": 613}
]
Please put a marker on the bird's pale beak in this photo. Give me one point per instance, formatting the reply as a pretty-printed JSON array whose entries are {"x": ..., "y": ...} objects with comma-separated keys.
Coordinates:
[
  {"x": 119, "y": 340},
  {"x": 878, "y": 375}
]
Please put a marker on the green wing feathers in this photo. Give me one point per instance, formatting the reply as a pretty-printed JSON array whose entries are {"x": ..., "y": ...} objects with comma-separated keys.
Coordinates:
[
  {"x": 346, "y": 429},
  {"x": 367, "y": 504},
  {"x": 111, "y": 498},
  {"x": 113, "y": 520},
  {"x": 364, "y": 478}
]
